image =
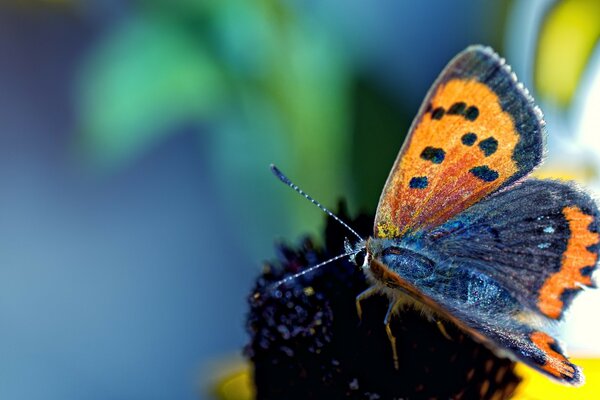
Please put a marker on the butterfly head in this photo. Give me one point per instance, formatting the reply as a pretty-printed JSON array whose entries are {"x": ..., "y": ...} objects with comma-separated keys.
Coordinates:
[{"x": 358, "y": 253}]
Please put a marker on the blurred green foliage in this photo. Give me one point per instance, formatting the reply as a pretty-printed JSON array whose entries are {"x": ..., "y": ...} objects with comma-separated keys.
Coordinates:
[
  {"x": 260, "y": 81},
  {"x": 144, "y": 78},
  {"x": 268, "y": 86}
]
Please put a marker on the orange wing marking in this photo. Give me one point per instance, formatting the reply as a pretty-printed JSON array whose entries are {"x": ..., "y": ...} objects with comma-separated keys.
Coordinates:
[
  {"x": 460, "y": 151},
  {"x": 556, "y": 364},
  {"x": 576, "y": 257}
]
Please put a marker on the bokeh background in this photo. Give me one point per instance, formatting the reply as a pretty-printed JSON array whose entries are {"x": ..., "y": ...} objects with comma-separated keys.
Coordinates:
[{"x": 136, "y": 205}]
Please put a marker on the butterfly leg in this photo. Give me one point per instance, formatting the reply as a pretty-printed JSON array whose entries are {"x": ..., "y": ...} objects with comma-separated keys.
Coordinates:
[
  {"x": 363, "y": 295},
  {"x": 442, "y": 329},
  {"x": 388, "y": 317}
]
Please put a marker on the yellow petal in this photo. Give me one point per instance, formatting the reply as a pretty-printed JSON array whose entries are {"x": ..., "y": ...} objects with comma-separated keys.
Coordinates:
[
  {"x": 566, "y": 40},
  {"x": 536, "y": 386}
]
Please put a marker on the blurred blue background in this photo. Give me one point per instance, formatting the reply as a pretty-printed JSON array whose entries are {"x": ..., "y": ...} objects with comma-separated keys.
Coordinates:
[{"x": 136, "y": 204}]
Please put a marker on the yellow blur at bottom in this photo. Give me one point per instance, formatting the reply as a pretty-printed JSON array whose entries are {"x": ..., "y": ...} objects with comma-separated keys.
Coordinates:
[
  {"x": 237, "y": 384},
  {"x": 536, "y": 386}
]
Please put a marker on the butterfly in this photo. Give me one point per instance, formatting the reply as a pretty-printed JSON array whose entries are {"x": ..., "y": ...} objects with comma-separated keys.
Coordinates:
[{"x": 460, "y": 231}]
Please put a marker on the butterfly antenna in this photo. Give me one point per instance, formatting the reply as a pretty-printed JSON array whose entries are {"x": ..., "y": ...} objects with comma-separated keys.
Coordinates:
[
  {"x": 291, "y": 184},
  {"x": 309, "y": 270}
]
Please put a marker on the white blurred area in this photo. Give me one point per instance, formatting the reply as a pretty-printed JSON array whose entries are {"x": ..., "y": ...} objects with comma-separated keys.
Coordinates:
[
  {"x": 583, "y": 327},
  {"x": 586, "y": 113}
]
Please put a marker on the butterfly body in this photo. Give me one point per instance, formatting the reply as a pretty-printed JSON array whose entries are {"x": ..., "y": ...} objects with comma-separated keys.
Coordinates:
[
  {"x": 462, "y": 234},
  {"x": 450, "y": 284}
]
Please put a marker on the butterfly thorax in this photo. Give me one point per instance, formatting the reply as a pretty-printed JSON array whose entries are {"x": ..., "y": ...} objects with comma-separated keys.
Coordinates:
[{"x": 383, "y": 253}]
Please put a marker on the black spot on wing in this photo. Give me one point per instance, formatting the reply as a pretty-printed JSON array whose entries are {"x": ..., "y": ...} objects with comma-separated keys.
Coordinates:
[
  {"x": 488, "y": 146},
  {"x": 484, "y": 173},
  {"x": 418, "y": 182},
  {"x": 433, "y": 154},
  {"x": 437, "y": 113},
  {"x": 468, "y": 139},
  {"x": 472, "y": 113},
  {"x": 457, "y": 108}
]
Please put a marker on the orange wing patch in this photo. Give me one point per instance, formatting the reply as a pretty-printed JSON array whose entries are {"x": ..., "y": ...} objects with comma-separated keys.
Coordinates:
[
  {"x": 460, "y": 151},
  {"x": 576, "y": 257},
  {"x": 555, "y": 364}
]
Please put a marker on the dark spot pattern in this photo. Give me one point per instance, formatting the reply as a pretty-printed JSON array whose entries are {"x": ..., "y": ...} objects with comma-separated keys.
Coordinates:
[
  {"x": 555, "y": 347},
  {"x": 472, "y": 113},
  {"x": 437, "y": 113},
  {"x": 433, "y": 154},
  {"x": 468, "y": 139},
  {"x": 484, "y": 173},
  {"x": 587, "y": 271},
  {"x": 457, "y": 108},
  {"x": 488, "y": 146},
  {"x": 418, "y": 182}
]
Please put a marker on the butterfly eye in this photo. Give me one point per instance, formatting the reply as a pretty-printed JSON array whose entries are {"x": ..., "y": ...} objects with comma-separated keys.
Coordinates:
[{"x": 359, "y": 258}]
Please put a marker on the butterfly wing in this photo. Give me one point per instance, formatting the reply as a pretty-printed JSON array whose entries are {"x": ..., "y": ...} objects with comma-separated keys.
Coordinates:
[
  {"x": 539, "y": 240},
  {"x": 504, "y": 269},
  {"x": 483, "y": 308},
  {"x": 476, "y": 132},
  {"x": 537, "y": 245},
  {"x": 523, "y": 341}
]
